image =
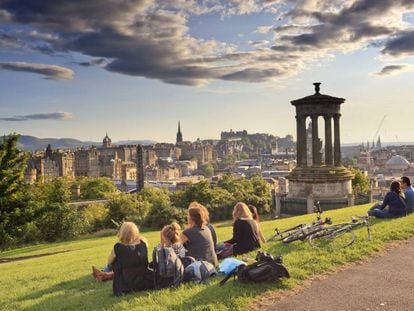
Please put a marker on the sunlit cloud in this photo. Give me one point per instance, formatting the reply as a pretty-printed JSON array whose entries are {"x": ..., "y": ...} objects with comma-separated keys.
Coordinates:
[
  {"x": 50, "y": 72},
  {"x": 41, "y": 116},
  {"x": 393, "y": 70}
]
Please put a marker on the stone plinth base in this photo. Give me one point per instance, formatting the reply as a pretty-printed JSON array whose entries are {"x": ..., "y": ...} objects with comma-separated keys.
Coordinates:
[{"x": 330, "y": 185}]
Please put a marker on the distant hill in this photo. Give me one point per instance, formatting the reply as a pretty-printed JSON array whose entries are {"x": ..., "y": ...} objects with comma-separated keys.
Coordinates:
[{"x": 32, "y": 143}]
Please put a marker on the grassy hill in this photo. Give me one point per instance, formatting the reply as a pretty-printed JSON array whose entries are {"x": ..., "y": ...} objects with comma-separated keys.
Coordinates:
[{"x": 63, "y": 281}]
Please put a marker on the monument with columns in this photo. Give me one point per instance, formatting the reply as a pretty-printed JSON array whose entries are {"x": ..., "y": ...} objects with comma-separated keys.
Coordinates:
[{"x": 322, "y": 179}]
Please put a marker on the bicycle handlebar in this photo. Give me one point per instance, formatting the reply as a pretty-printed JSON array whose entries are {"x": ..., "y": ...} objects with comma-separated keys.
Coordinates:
[{"x": 317, "y": 207}]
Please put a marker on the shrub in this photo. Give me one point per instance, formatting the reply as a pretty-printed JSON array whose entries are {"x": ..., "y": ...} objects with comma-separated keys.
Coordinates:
[
  {"x": 96, "y": 215},
  {"x": 61, "y": 221},
  {"x": 160, "y": 216},
  {"x": 129, "y": 207},
  {"x": 96, "y": 188}
]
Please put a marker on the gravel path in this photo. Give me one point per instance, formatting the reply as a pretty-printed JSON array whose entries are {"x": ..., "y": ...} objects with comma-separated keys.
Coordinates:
[{"x": 382, "y": 283}]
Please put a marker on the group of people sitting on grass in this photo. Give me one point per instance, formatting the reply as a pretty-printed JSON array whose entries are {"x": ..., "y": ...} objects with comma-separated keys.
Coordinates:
[
  {"x": 128, "y": 264},
  {"x": 398, "y": 202}
]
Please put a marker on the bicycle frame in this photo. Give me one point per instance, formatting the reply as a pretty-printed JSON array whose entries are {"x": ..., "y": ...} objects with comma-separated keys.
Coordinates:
[
  {"x": 302, "y": 231},
  {"x": 328, "y": 237}
]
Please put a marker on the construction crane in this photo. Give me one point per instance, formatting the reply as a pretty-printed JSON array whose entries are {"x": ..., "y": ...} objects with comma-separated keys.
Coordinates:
[{"x": 379, "y": 127}]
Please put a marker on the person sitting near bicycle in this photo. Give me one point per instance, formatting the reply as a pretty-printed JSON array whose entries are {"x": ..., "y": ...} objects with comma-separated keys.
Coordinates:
[
  {"x": 394, "y": 200},
  {"x": 245, "y": 233}
]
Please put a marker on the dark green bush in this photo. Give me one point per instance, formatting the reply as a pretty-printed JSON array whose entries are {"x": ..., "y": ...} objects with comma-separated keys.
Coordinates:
[
  {"x": 160, "y": 216},
  {"x": 96, "y": 188},
  {"x": 129, "y": 207},
  {"x": 61, "y": 221},
  {"x": 96, "y": 215}
]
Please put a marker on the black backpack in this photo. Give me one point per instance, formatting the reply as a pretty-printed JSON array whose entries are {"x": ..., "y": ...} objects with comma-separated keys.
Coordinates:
[
  {"x": 265, "y": 269},
  {"x": 168, "y": 269}
]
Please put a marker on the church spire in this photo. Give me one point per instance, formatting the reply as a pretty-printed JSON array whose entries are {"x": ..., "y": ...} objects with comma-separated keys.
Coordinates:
[{"x": 179, "y": 135}]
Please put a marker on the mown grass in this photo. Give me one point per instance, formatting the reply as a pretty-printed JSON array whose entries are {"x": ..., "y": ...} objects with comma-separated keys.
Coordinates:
[{"x": 63, "y": 281}]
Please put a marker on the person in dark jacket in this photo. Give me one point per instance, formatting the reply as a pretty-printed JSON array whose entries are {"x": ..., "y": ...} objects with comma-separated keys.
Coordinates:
[
  {"x": 394, "y": 201},
  {"x": 128, "y": 261},
  {"x": 246, "y": 235}
]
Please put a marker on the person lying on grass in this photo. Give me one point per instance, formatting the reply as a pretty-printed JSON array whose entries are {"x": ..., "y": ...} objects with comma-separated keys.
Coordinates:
[{"x": 128, "y": 261}]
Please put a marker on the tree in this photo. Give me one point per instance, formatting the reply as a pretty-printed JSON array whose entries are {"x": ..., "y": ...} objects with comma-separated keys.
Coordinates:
[
  {"x": 360, "y": 181},
  {"x": 56, "y": 219},
  {"x": 207, "y": 170},
  {"x": 14, "y": 211},
  {"x": 161, "y": 212},
  {"x": 96, "y": 188},
  {"x": 128, "y": 207}
]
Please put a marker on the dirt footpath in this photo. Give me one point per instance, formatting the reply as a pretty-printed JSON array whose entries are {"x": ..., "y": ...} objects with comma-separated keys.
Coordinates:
[{"x": 382, "y": 283}]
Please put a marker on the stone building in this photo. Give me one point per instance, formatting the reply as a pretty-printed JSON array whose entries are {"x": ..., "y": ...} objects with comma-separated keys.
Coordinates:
[
  {"x": 197, "y": 150},
  {"x": 46, "y": 165},
  {"x": 87, "y": 162}
]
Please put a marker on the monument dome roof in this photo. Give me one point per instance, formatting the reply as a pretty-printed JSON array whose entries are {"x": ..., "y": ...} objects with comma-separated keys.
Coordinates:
[
  {"x": 397, "y": 162},
  {"x": 318, "y": 98}
]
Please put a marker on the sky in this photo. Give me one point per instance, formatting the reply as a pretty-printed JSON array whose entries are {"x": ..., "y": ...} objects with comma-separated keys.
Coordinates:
[{"x": 134, "y": 68}]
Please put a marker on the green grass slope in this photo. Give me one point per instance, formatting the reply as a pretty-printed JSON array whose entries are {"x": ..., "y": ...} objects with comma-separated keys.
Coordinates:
[{"x": 63, "y": 281}]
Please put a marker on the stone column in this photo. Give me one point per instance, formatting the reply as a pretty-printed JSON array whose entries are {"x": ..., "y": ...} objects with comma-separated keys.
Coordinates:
[
  {"x": 309, "y": 204},
  {"x": 351, "y": 199},
  {"x": 140, "y": 169},
  {"x": 301, "y": 140},
  {"x": 278, "y": 204},
  {"x": 315, "y": 140},
  {"x": 337, "y": 142},
  {"x": 328, "y": 140}
]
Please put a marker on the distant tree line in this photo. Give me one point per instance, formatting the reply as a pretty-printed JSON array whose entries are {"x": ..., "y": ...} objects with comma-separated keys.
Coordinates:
[{"x": 41, "y": 211}]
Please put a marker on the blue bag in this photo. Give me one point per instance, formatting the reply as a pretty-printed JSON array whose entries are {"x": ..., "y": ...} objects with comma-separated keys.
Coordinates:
[{"x": 229, "y": 264}]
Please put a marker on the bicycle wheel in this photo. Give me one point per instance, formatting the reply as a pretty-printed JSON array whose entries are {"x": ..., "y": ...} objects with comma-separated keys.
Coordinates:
[{"x": 332, "y": 238}]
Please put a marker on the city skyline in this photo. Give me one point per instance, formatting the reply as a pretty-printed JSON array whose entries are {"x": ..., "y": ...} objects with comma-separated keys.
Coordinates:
[{"x": 73, "y": 70}]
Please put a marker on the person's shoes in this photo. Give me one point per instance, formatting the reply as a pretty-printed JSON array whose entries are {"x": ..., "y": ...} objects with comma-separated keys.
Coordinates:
[{"x": 102, "y": 276}]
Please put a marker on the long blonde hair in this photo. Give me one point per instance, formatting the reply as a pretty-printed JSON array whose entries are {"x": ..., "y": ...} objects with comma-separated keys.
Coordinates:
[
  {"x": 128, "y": 233},
  {"x": 171, "y": 233},
  {"x": 241, "y": 210}
]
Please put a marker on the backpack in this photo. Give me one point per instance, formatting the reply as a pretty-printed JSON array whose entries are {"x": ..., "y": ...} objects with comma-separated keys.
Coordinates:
[
  {"x": 199, "y": 271},
  {"x": 265, "y": 269},
  {"x": 168, "y": 269}
]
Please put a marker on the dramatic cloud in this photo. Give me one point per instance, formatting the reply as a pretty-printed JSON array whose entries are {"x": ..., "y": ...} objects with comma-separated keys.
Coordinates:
[
  {"x": 401, "y": 45},
  {"x": 152, "y": 39},
  {"x": 93, "y": 62},
  {"x": 8, "y": 42},
  {"x": 41, "y": 116},
  {"x": 50, "y": 72},
  {"x": 392, "y": 70}
]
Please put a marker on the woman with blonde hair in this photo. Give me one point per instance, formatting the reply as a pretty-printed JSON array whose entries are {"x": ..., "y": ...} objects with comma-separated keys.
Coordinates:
[
  {"x": 129, "y": 262},
  {"x": 197, "y": 237},
  {"x": 245, "y": 230},
  {"x": 171, "y": 237}
]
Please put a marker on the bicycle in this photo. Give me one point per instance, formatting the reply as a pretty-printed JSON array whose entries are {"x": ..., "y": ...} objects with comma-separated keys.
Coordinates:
[
  {"x": 302, "y": 231},
  {"x": 339, "y": 236}
]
